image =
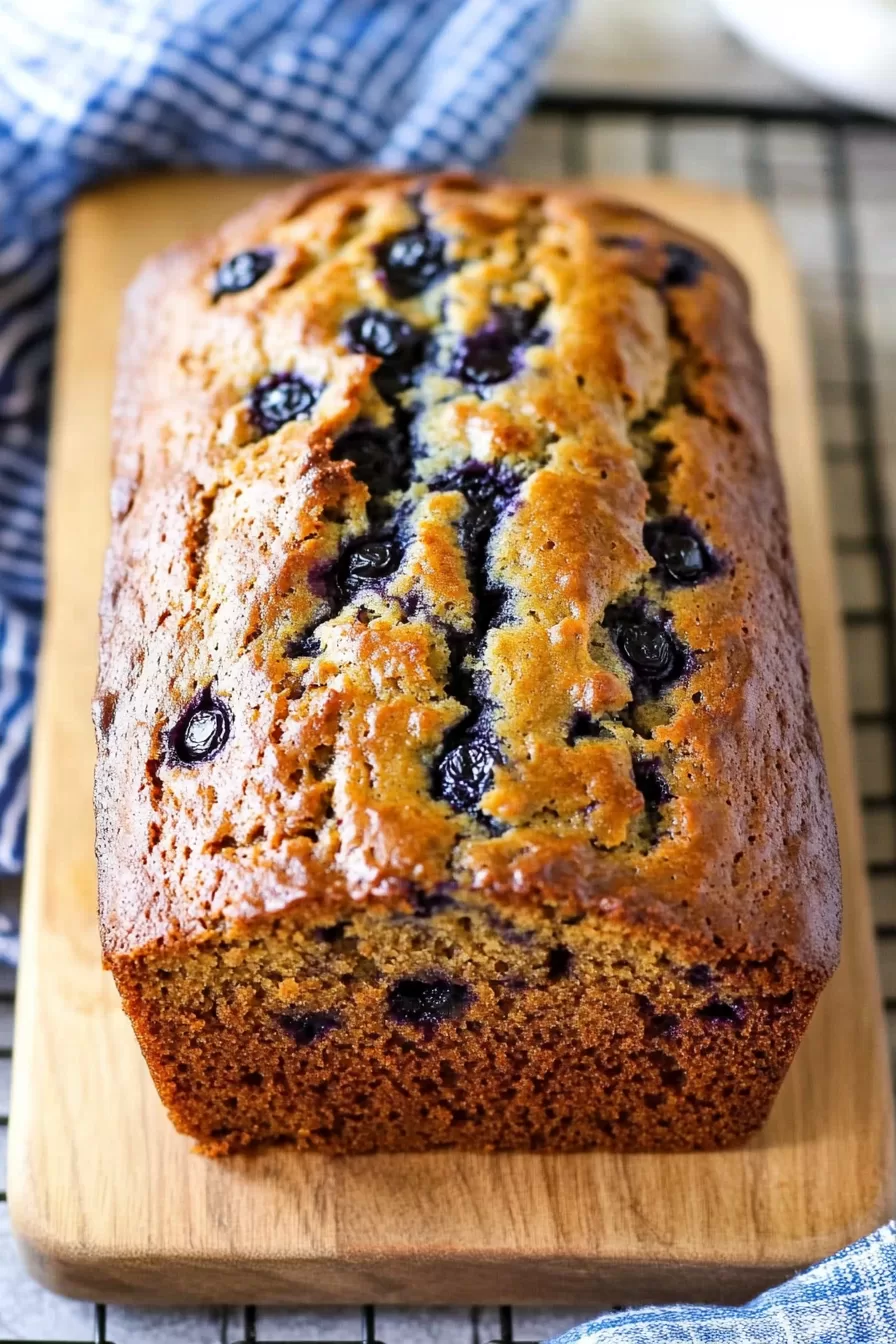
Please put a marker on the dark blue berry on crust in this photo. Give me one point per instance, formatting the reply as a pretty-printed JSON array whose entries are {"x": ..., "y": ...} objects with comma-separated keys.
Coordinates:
[
  {"x": 583, "y": 725},
  {"x": 241, "y": 271},
  {"x": 645, "y": 642},
  {"x": 560, "y": 961},
  {"x": 363, "y": 562},
  {"x": 306, "y": 645},
  {"x": 488, "y": 491},
  {"x": 646, "y": 645},
  {"x": 397, "y": 343},
  {"x": 279, "y": 398},
  {"x": 201, "y": 732},
  {"x": 494, "y": 353},
  {"x": 464, "y": 771},
  {"x": 425, "y": 904},
  {"x": 684, "y": 266},
  {"x": 718, "y": 1011},
  {"x": 682, "y": 556},
  {"x": 651, "y": 782},
  {"x": 410, "y": 262},
  {"x": 380, "y": 456},
  {"x": 306, "y": 1028},
  {"x": 427, "y": 1001},
  {"x": 376, "y": 331}
]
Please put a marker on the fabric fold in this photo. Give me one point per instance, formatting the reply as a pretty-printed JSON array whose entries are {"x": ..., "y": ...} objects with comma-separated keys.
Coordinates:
[{"x": 849, "y": 1298}]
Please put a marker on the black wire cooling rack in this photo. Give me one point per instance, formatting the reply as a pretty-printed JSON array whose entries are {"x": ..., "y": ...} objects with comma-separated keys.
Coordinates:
[
  {"x": 249, "y": 1334},
  {"x": 577, "y": 123}
]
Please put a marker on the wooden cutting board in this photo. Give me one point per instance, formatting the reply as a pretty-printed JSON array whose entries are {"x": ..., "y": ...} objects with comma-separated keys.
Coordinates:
[{"x": 108, "y": 1201}]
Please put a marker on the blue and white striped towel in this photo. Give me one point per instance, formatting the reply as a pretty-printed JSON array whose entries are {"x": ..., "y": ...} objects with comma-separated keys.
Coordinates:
[
  {"x": 848, "y": 1299},
  {"x": 96, "y": 88}
]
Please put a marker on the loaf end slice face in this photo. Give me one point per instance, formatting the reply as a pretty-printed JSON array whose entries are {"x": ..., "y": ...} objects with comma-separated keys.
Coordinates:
[{"x": 458, "y": 779}]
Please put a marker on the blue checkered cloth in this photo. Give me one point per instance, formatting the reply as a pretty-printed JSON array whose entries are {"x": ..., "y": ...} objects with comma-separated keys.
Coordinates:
[
  {"x": 95, "y": 88},
  {"x": 848, "y": 1299}
]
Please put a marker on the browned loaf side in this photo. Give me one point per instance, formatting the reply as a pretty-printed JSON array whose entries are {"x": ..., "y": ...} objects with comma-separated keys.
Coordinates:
[{"x": 458, "y": 779}]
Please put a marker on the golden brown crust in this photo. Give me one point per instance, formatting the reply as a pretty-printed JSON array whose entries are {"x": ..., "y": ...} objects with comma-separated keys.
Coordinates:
[{"x": 640, "y": 397}]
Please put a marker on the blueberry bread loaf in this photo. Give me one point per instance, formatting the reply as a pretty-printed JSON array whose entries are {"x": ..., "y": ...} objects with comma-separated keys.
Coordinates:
[{"x": 458, "y": 780}]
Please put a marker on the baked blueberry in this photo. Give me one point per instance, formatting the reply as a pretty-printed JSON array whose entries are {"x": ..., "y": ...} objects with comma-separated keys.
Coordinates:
[
  {"x": 662, "y": 1026},
  {"x": 399, "y": 345},
  {"x": 375, "y": 331},
  {"x": 331, "y": 933},
  {"x": 560, "y": 961},
  {"x": 410, "y": 262},
  {"x": 427, "y": 1001},
  {"x": 201, "y": 731},
  {"x": 486, "y": 488},
  {"x": 651, "y": 782},
  {"x": 655, "y": 655},
  {"x": 684, "y": 266},
  {"x": 647, "y": 646},
  {"x": 425, "y": 904},
  {"x": 380, "y": 456},
  {"x": 279, "y": 398},
  {"x": 681, "y": 555},
  {"x": 464, "y": 771},
  {"x": 583, "y": 725},
  {"x": 494, "y": 353},
  {"x": 306, "y": 645},
  {"x": 484, "y": 358},
  {"x": 365, "y": 561},
  {"x": 718, "y": 1011},
  {"x": 492, "y": 604},
  {"x": 241, "y": 271},
  {"x": 306, "y": 1028}
]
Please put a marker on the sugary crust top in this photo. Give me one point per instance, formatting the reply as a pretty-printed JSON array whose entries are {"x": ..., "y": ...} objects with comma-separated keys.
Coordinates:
[{"x": 479, "y": 717}]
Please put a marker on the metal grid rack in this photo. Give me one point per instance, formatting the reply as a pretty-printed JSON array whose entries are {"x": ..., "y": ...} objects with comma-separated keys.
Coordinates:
[{"x": 826, "y": 175}]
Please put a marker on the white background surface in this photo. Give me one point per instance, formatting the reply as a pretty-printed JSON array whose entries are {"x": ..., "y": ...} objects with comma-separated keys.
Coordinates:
[{"x": 671, "y": 46}]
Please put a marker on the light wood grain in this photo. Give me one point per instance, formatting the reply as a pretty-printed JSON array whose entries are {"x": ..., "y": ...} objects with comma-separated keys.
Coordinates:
[{"x": 108, "y": 1201}]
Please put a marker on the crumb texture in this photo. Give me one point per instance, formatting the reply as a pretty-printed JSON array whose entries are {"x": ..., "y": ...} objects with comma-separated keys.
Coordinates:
[{"x": 458, "y": 779}]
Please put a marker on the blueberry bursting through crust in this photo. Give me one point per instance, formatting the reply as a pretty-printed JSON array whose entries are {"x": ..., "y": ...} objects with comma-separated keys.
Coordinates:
[
  {"x": 495, "y": 352},
  {"x": 241, "y": 271},
  {"x": 651, "y": 783},
  {"x": 379, "y": 455},
  {"x": 684, "y": 266},
  {"x": 645, "y": 641},
  {"x": 366, "y": 561},
  {"x": 279, "y": 398},
  {"x": 680, "y": 553},
  {"x": 306, "y": 1028},
  {"x": 427, "y": 1001},
  {"x": 464, "y": 771},
  {"x": 410, "y": 262},
  {"x": 201, "y": 732},
  {"x": 392, "y": 340}
]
